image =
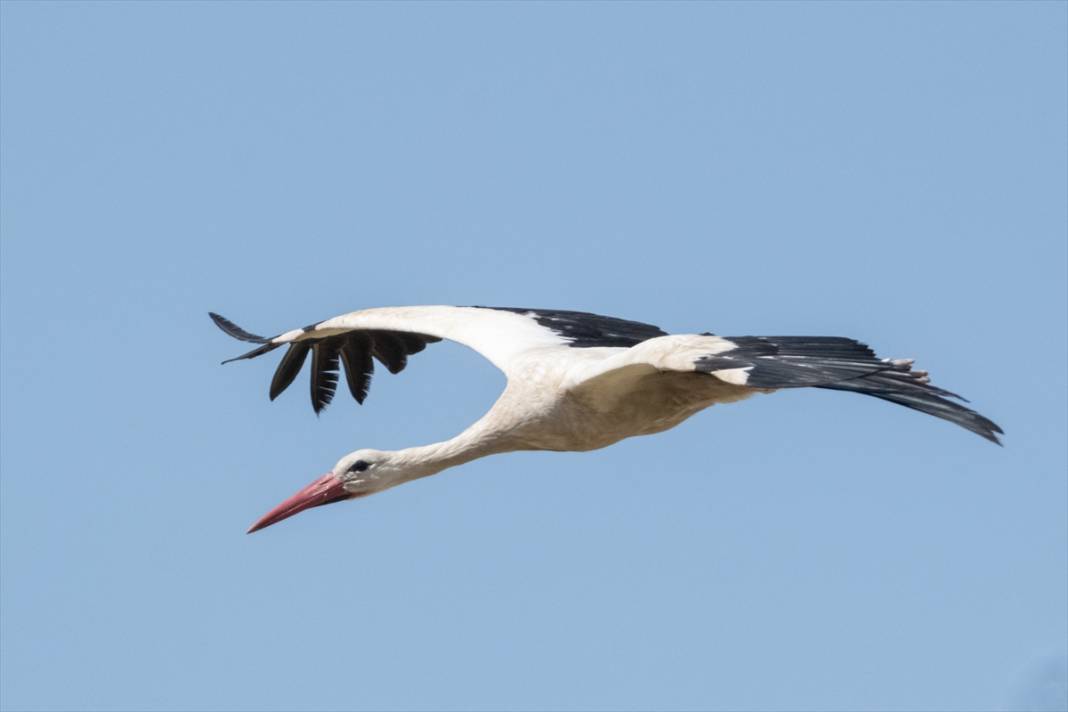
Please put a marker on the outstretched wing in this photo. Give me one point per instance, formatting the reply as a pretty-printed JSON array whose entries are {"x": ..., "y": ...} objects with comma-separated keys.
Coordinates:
[
  {"x": 357, "y": 350},
  {"x": 354, "y": 341},
  {"x": 767, "y": 363},
  {"x": 842, "y": 364}
]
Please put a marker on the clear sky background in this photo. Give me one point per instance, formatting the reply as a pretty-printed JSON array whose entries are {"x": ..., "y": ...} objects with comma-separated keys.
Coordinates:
[{"x": 891, "y": 172}]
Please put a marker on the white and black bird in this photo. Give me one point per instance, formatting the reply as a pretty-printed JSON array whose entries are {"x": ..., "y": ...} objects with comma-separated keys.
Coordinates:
[{"x": 576, "y": 381}]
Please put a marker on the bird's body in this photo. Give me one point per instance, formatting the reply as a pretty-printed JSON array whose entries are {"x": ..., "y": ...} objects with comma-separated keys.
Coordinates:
[
  {"x": 575, "y": 413},
  {"x": 576, "y": 381}
]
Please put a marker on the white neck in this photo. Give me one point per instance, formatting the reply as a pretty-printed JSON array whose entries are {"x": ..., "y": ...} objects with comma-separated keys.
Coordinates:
[{"x": 477, "y": 441}]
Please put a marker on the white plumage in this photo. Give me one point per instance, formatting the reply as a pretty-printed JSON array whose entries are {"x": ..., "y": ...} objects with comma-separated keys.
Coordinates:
[{"x": 576, "y": 381}]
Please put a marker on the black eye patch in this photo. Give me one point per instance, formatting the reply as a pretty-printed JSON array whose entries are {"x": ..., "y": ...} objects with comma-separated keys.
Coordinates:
[{"x": 359, "y": 466}]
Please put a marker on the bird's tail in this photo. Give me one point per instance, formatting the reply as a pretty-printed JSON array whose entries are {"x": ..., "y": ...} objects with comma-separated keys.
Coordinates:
[{"x": 841, "y": 364}]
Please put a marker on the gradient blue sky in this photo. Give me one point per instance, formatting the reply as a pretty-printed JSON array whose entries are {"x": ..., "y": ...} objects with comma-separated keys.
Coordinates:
[{"x": 892, "y": 172}]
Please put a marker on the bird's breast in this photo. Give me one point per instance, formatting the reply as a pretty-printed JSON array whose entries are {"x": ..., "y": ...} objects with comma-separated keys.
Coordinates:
[{"x": 564, "y": 421}]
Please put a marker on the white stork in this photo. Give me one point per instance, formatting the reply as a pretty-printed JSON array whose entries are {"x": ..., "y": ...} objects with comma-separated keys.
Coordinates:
[{"x": 576, "y": 381}]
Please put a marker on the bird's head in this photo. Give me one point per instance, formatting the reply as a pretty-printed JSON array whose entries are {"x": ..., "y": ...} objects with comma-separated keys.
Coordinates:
[{"x": 359, "y": 473}]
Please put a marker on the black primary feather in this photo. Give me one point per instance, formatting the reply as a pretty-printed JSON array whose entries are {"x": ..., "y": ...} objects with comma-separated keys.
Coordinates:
[
  {"x": 357, "y": 349},
  {"x": 795, "y": 361},
  {"x": 324, "y": 373},
  {"x": 259, "y": 351},
  {"x": 841, "y": 364},
  {"x": 289, "y": 367},
  {"x": 414, "y": 343},
  {"x": 924, "y": 398},
  {"x": 389, "y": 348},
  {"x": 359, "y": 366},
  {"x": 236, "y": 331}
]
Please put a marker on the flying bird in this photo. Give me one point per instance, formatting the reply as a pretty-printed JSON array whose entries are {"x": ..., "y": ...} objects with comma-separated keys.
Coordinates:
[{"x": 576, "y": 381}]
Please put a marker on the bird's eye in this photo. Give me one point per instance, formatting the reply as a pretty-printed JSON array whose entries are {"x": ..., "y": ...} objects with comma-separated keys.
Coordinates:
[{"x": 359, "y": 466}]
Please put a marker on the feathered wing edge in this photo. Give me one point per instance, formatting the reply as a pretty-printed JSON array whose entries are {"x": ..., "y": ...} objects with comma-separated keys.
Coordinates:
[
  {"x": 355, "y": 349},
  {"x": 842, "y": 364},
  {"x": 236, "y": 331}
]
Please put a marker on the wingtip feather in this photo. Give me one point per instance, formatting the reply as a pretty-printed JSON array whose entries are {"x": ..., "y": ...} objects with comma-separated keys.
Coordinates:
[{"x": 232, "y": 329}]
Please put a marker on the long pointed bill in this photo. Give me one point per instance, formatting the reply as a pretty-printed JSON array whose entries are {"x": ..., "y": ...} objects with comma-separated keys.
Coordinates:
[{"x": 324, "y": 490}]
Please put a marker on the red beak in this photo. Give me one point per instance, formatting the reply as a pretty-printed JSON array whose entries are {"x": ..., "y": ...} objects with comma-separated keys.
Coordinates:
[{"x": 324, "y": 490}]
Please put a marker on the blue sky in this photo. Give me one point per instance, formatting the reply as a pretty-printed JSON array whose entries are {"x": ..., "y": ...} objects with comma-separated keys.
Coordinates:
[{"x": 891, "y": 172}]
